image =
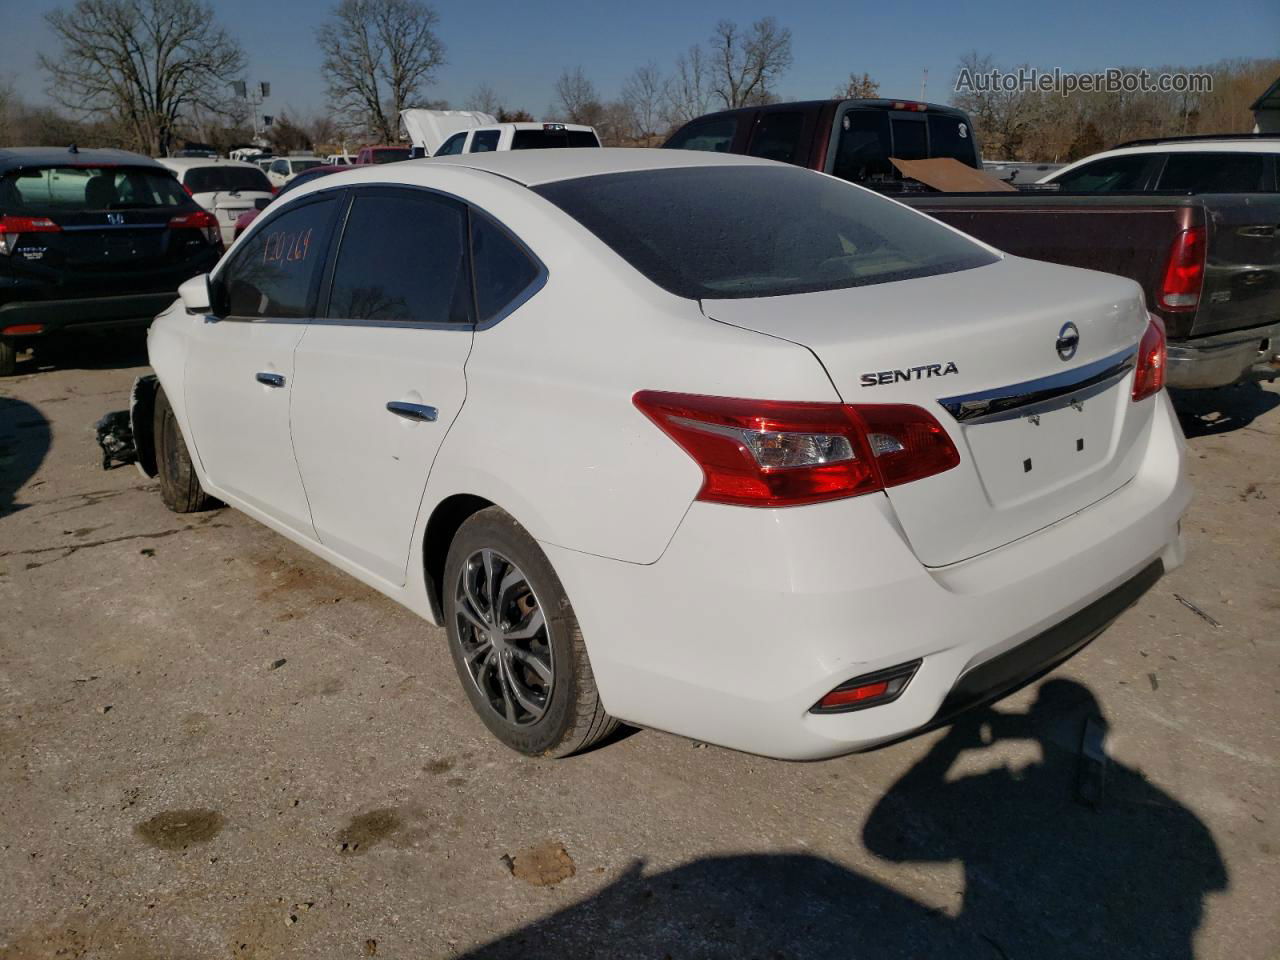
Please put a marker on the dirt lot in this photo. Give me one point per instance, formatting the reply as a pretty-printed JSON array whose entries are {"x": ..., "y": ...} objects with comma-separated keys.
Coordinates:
[{"x": 213, "y": 745}]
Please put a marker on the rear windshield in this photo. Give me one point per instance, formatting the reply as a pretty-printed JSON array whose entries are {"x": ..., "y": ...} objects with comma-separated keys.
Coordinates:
[
  {"x": 538, "y": 139},
  {"x": 869, "y": 137},
  {"x": 211, "y": 179},
  {"x": 725, "y": 232},
  {"x": 296, "y": 165},
  {"x": 76, "y": 189},
  {"x": 389, "y": 155}
]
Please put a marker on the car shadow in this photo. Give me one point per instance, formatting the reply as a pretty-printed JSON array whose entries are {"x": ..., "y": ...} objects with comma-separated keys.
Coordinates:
[
  {"x": 1046, "y": 875},
  {"x": 25, "y": 437},
  {"x": 116, "y": 351},
  {"x": 1203, "y": 413}
]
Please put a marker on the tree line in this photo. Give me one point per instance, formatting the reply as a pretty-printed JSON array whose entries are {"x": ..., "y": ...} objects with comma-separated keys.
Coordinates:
[{"x": 150, "y": 74}]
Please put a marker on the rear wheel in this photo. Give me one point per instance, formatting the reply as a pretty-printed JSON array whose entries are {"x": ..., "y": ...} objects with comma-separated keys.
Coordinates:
[
  {"x": 8, "y": 358},
  {"x": 179, "y": 486},
  {"x": 516, "y": 643}
]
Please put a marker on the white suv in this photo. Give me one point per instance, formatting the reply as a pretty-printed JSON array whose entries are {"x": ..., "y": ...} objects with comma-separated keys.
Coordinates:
[
  {"x": 226, "y": 188},
  {"x": 695, "y": 441},
  {"x": 519, "y": 136}
]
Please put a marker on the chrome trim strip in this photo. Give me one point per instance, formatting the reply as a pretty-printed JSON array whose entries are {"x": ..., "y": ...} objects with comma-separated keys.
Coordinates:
[
  {"x": 77, "y": 228},
  {"x": 1002, "y": 402}
]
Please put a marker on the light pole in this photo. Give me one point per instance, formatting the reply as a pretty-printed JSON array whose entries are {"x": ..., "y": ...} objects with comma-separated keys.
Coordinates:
[{"x": 253, "y": 96}]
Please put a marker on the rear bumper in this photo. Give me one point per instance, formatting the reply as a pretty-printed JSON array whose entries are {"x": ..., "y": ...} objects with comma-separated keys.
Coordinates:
[
  {"x": 1221, "y": 359},
  {"x": 751, "y": 616},
  {"x": 89, "y": 313}
]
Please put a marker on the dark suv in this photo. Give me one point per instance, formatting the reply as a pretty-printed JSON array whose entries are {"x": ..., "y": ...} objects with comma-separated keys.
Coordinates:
[{"x": 92, "y": 239}]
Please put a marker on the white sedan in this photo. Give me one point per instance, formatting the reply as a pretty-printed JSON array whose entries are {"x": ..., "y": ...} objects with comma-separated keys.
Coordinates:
[
  {"x": 226, "y": 188},
  {"x": 692, "y": 441}
]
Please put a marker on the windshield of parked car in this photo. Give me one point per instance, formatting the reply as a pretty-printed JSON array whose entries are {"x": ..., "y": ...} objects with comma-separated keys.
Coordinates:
[
  {"x": 211, "y": 179},
  {"x": 722, "y": 232},
  {"x": 51, "y": 190}
]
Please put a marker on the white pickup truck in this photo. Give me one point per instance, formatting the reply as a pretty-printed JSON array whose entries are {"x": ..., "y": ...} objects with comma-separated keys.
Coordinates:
[{"x": 440, "y": 133}]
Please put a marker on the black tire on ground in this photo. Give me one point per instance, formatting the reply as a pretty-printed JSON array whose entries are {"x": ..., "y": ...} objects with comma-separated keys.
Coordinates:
[
  {"x": 8, "y": 358},
  {"x": 572, "y": 717},
  {"x": 179, "y": 487}
]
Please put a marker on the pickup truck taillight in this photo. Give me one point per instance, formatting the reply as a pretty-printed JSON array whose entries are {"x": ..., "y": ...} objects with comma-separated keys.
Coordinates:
[
  {"x": 770, "y": 453},
  {"x": 1148, "y": 377},
  {"x": 201, "y": 220},
  {"x": 13, "y": 227},
  {"x": 1184, "y": 273}
]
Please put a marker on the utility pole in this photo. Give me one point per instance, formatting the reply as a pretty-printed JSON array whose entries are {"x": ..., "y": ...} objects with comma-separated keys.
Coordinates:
[
  {"x": 253, "y": 96},
  {"x": 924, "y": 82}
]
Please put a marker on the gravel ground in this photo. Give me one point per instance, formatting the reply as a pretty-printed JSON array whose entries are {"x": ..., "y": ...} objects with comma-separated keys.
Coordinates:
[{"x": 213, "y": 745}]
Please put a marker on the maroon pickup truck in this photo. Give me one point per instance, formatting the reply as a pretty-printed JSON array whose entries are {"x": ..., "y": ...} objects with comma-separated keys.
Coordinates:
[{"x": 1206, "y": 251}]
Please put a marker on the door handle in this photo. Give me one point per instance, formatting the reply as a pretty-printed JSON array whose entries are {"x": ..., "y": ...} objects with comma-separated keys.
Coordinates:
[
  {"x": 413, "y": 411},
  {"x": 270, "y": 379}
]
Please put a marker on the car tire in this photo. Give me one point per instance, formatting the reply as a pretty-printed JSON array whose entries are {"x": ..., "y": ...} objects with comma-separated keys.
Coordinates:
[
  {"x": 531, "y": 685},
  {"x": 179, "y": 487},
  {"x": 8, "y": 358}
]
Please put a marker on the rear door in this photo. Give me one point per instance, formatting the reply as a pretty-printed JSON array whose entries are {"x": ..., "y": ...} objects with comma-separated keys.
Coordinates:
[
  {"x": 240, "y": 368},
  {"x": 380, "y": 374}
]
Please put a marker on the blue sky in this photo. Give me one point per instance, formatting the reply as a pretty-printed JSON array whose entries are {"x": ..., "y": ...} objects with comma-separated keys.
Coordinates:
[{"x": 519, "y": 48}]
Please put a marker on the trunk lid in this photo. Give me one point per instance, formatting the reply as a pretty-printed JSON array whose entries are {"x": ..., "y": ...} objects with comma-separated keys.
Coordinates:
[{"x": 1040, "y": 437}]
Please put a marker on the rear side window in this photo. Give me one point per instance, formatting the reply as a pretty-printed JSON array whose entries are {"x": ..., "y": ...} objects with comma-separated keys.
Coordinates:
[
  {"x": 714, "y": 135},
  {"x": 276, "y": 271},
  {"x": 485, "y": 141},
  {"x": 503, "y": 270},
  {"x": 1108, "y": 175},
  {"x": 777, "y": 136},
  {"x": 538, "y": 139},
  {"x": 211, "y": 179},
  {"x": 54, "y": 190},
  {"x": 691, "y": 233},
  {"x": 1215, "y": 173},
  {"x": 403, "y": 258},
  {"x": 452, "y": 146},
  {"x": 862, "y": 153}
]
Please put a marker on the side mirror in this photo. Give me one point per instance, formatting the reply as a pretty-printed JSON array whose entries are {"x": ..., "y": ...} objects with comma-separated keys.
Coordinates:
[
  {"x": 195, "y": 294},
  {"x": 261, "y": 203}
]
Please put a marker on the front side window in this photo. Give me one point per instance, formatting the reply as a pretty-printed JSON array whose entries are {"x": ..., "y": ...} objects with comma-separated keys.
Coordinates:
[
  {"x": 714, "y": 135},
  {"x": 691, "y": 232},
  {"x": 276, "y": 271},
  {"x": 452, "y": 146},
  {"x": 1215, "y": 173},
  {"x": 485, "y": 141},
  {"x": 777, "y": 136},
  {"x": 503, "y": 270},
  {"x": 1108, "y": 175},
  {"x": 53, "y": 190},
  {"x": 403, "y": 258}
]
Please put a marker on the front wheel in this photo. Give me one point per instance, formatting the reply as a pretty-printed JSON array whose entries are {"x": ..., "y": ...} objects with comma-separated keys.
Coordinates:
[
  {"x": 516, "y": 643},
  {"x": 179, "y": 486}
]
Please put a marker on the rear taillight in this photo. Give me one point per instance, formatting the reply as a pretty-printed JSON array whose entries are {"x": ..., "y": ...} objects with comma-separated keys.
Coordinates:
[
  {"x": 1184, "y": 273},
  {"x": 770, "y": 453},
  {"x": 1148, "y": 377},
  {"x": 201, "y": 220},
  {"x": 11, "y": 228}
]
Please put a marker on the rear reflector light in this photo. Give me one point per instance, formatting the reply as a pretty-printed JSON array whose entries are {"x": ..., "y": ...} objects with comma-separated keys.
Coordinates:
[
  {"x": 770, "y": 453},
  {"x": 201, "y": 220},
  {"x": 24, "y": 328},
  {"x": 1148, "y": 376},
  {"x": 1184, "y": 273},
  {"x": 13, "y": 227},
  {"x": 868, "y": 690}
]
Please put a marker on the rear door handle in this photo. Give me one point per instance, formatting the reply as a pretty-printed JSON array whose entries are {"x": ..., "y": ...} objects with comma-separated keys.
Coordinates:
[
  {"x": 413, "y": 411},
  {"x": 270, "y": 379}
]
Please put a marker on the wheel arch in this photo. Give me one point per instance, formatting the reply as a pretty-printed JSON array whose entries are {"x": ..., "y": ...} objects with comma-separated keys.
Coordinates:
[{"x": 449, "y": 514}]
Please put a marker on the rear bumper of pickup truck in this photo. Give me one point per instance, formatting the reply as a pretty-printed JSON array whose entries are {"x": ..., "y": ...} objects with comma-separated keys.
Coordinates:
[{"x": 1221, "y": 359}]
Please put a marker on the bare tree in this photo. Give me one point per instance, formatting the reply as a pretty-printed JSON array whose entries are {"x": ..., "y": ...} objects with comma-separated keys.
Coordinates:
[
  {"x": 858, "y": 88},
  {"x": 642, "y": 96},
  {"x": 379, "y": 55},
  {"x": 578, "y": 101},
  {"x": 688, "y": 93},
  {"x": 745, "y": 64},
  {"x": 485, "y": 100},
  {"x": 143, "y": 62}
]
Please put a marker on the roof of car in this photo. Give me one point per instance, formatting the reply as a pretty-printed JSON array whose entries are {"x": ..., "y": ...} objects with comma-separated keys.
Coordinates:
[
  {"x": 535, "y": 167},
  {"x": 12, "y": 158},
  {"x": 534, "y": 125},
  {"x": 188, "y": 163},
  {"x": 1252, "y": 145}
]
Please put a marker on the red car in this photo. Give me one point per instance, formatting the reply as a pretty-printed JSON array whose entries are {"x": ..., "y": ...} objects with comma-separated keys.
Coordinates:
[
  {"x": 306, "y": 176},
  {"x": 369, "y": 155}
]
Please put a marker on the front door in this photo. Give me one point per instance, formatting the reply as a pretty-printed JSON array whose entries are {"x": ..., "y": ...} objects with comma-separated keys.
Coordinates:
[
  {"x": 240, "y": 368},
  {"x": 379, "y": 379}
]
